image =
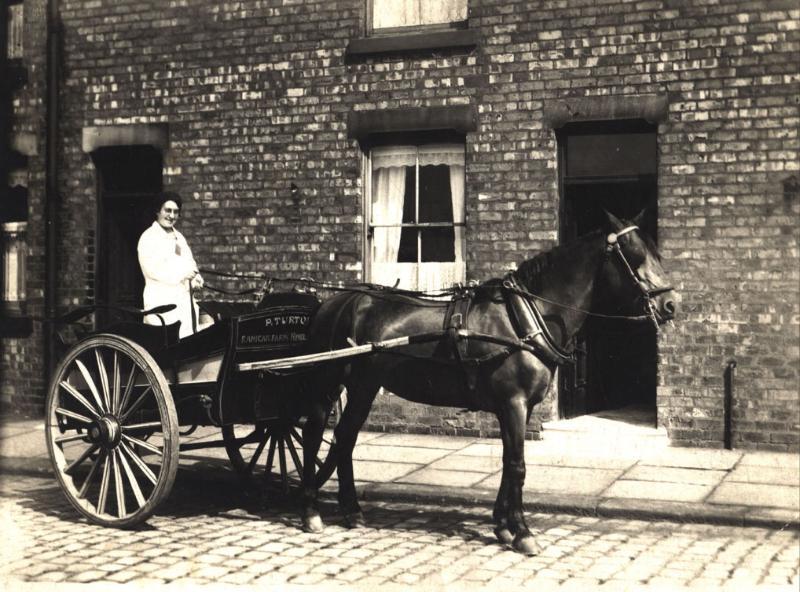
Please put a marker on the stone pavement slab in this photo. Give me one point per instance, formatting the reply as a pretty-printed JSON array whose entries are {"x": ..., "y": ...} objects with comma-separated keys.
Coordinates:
[
  {"x": 443, "y": 478},
  {"x": 655, "y": 490},
  {"x": 675, "y": 475},
  {"x": 757, "y": 494},
  {"x": 761, "y": 474},
  {"x": 395, "y": 454},
  {"x": 576, "y": 481},
  {"x": 695, "y": 458}
]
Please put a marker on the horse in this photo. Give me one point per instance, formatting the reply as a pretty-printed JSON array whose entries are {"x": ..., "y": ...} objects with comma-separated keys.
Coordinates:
[{"x": 476, "y": 354}]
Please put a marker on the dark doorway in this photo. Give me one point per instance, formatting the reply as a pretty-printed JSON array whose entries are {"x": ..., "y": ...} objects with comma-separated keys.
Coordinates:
[
  {"x": 129, "y": 177},
  {"x": 609, "y": 166}
]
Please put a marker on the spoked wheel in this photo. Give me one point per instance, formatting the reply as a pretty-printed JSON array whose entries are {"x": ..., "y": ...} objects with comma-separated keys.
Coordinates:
[
  {"x": 112, "y": 431},
  {"x": 274, "y": 449}
]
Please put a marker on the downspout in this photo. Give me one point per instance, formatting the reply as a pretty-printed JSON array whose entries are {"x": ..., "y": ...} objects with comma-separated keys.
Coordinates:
[{"x": 54, "y": 34}]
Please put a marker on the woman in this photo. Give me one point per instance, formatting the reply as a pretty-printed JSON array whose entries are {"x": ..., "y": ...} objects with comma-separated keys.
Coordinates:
[{"x": 168, "y": 267}]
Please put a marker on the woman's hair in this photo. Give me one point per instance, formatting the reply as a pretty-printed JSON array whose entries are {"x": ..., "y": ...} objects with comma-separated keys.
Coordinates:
[{"x": 166, "y": 196}]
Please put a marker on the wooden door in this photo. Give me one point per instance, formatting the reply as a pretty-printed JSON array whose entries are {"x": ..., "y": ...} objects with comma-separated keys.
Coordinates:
[{"x": 129, "y": 181}]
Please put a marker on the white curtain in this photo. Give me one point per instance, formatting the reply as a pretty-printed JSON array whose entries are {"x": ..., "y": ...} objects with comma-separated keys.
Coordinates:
[
  {"x": 457, "y": 193},
  {"x": 406, "y": 13},
  {"x": 388, "y": 192}
]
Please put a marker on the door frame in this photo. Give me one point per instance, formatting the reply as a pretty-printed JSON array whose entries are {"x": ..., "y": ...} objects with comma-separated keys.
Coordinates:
[{"x": 573, "y": 390}]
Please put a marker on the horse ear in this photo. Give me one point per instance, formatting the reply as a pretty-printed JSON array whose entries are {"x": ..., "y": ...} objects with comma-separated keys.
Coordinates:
[
  {"x": 612, "y": 220},
  {"x": 639, "y": 218}
]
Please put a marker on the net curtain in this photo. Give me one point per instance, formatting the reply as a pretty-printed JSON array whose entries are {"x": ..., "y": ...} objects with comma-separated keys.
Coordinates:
[
  {"x": 388, "y": 193},
  {"x": 405, "y": 13}
]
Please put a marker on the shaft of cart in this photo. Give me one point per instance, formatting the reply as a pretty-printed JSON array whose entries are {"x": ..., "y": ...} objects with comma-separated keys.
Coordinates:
[{"x": 347, "y": 352}]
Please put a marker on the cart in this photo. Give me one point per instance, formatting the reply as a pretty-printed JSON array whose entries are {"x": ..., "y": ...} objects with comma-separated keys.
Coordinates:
[{"x": 119, "y": 398}]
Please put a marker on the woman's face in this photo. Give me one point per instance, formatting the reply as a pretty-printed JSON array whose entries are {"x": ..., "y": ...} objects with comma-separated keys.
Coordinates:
[{"x": 168, "y": 215}]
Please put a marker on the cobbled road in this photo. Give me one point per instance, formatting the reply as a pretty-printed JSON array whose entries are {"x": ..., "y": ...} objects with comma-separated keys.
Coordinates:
[{"x": 208, "y": 533}]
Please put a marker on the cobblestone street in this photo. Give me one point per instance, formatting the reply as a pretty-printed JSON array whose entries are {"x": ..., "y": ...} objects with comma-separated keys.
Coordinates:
[{"x": 206, "y": 534}]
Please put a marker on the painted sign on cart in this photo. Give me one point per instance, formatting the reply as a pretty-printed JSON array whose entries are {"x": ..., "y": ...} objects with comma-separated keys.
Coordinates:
[{"x": 279, "y": 327}]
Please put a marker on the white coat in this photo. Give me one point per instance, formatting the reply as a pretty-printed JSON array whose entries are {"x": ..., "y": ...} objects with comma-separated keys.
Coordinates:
[{"x": 167, "y": 263}]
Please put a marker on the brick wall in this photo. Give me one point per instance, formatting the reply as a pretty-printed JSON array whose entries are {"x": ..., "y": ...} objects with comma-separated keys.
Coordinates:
[
  {"x": 21, "y": 358},
  {"x": 256, "y": 96}
]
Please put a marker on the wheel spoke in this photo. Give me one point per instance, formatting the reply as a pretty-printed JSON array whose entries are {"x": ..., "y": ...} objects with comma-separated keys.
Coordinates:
[
  {"x": 84, "y": 455},
  {"x": 142, "y": 444},
  {"x": 297, "y": 436},
  {"x": 101, "y": 502},
  {"x": 92, "y": 472},
  {"x": 295, "y": 458},
  {"x": 128, "y": 389},
  {"x": 137, "y": 492},
  {"x": 118, "y": 487},
  {"x": 73, "y": 415},
  {"x": 124, "y": 414},
  {"x": 101, "y": 370},
  {"x": 282, "y": 461},
  {"x": 253, "y": 461},
  {"x": 87, "y": 377},
  {"x": 270, "y": 456},
  {"x": 141, "y": 426},
  {"x": 115, "y": 384},
  {"x": 72, "y": 438},
  {"x": 139, "y": 463},
  {"x": 79, "y": 397}
]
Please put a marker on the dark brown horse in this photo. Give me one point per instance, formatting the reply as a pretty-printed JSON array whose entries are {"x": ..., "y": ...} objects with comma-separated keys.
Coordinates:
[{"x": 486, "y": 362}]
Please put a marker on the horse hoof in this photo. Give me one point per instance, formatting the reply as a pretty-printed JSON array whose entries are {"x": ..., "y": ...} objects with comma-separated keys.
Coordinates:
[
  {"x": 313, "y": 523},
  {"x": 355, "y": 520},
  {"x": 504, "y": 535},
  {"x": 526, "y": 545}
]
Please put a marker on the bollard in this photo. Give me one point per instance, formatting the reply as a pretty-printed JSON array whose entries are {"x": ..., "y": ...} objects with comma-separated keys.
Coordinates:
[{"x": 727, "y": 404}]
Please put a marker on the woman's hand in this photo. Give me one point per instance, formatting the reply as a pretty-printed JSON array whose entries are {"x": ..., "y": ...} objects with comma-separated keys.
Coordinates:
[{"x": 196, "y": 280}]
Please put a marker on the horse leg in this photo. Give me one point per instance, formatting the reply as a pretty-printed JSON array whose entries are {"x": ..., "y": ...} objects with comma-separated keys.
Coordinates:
[
  {"x": 500, "y": 513},
  {"x": 359, "y": 402},
  {"x": 512, "y": 428},
  {"x": 318, "y": 413}
]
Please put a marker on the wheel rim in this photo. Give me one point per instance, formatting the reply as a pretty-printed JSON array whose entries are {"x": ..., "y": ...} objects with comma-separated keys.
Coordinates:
[
  {"x": 112, "y": 431},
  {"x": 273, "y": 451}
]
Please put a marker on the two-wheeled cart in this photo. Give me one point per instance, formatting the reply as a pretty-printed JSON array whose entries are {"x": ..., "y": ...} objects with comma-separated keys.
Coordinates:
[{"x": 119, "y": 398}]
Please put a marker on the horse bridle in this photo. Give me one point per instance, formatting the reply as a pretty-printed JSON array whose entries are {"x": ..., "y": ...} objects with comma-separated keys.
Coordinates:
[{"x": 612, "y": 245}]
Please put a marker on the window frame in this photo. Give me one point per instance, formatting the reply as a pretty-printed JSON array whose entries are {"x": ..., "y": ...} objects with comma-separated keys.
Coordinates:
[{"x": 418, "y": 140}]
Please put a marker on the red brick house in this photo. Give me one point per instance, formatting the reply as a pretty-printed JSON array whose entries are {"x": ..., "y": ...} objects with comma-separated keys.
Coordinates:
[{"x": 429, "y": 142}]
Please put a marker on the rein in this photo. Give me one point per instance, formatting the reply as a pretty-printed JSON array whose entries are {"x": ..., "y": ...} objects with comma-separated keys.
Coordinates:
[{"x": 612, "y": 245}]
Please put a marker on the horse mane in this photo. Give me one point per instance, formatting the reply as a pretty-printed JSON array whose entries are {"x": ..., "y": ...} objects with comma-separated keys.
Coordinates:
[{"x": 531, "y": 271}]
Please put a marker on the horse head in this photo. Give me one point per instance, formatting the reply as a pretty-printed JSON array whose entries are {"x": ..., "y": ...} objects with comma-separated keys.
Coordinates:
[{"x": 634, "y": 280}]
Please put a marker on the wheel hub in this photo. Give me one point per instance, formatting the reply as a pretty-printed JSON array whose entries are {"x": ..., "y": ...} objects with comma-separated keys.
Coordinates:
[{"x": 106, "y": 431}]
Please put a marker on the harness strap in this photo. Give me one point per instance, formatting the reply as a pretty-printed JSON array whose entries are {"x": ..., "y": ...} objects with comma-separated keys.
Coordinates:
[
  {"x": 455, "y": 327},
  {"x": 530, "y": 325}
]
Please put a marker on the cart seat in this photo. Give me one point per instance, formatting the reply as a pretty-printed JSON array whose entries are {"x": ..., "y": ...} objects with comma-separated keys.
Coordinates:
[
  {"x": 154, "y": 338},
  {"x": 219, "y": 310}
]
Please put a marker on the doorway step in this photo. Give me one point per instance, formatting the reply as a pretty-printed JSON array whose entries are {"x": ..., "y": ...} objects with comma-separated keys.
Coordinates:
[{"x": 630, "y": 431}]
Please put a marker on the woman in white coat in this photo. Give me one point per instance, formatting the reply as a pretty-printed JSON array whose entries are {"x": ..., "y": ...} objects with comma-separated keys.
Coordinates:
[{"x": 169, "y": 268}]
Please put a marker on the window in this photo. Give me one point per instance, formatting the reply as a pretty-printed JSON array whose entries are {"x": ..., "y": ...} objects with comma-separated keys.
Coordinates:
[
  {"x": 15, "y": 31},
  {"x": 391, "y": 14},
  {"x": 416, "y": 218}
]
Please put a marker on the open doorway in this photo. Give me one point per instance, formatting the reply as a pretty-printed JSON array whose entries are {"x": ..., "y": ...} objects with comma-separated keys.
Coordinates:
[
  {"x": 129, "y": 178},
  {"x": 609, "y": 166}
]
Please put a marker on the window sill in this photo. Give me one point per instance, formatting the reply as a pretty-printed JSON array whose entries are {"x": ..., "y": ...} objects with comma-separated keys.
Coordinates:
[
  {"x": 12, "y": 326},
  {"x": 412, "y": 43}
]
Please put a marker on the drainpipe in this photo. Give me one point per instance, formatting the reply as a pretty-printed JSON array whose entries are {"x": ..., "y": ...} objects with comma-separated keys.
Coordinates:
[
  {"x": 727, "y": 404},
  {"x": 54, "y": 33}
]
